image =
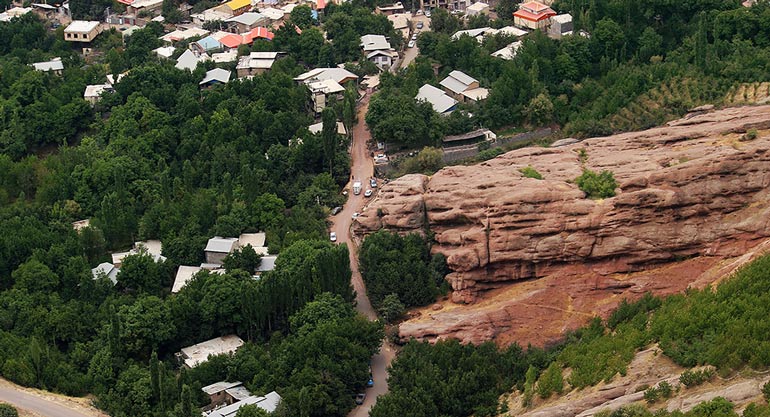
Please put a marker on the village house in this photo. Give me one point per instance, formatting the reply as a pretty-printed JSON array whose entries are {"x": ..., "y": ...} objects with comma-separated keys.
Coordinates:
[
  {"x": 236, "y": 7},
  {"x": 439, "y": 100},
  {"x": 210, "y": 15},
  {"x": 9, "y": 14},
  {"x": 81, "y": 224},
  {"x": 195, "y": 355},
  {"x": 189, "y": 60},
  {"x": 82, "y": 31},
  {"x": 247, "y": 21},
  {"x": 255, "y": 240},
  {"x": 276, "y": 16},
  {"x": 94, "y": 92},
  {"x": 378, "y": 50},
  {"x": 395, "y": 8},
  {"x": 561, "y": 25},
  {"x": 145, "y": 7},
  {"x": 477, "y": 9},
  {"x": 218, "y": 248},
  {"x": 215, "y": 76},
  {"x": 106, "y": 269},
  {"x": 326, "y": 85},
  {"x": 183, "y": 275},
  {"x": 153, "y": 248},
  {"x": 255, "y": 63},
  {"x": 508, "y": 52},
  {"x": 54, "y": 66},
  {"x": 268, "y": 403},
  {"x": 463, "y": 87},
  {"x": 206, "y": 45},
  {"x": 184, "y": 34},
  {"x": 533, "y": 15},
  {"x": 318, "y": 128},
  {"x": 400, "y": 22}
]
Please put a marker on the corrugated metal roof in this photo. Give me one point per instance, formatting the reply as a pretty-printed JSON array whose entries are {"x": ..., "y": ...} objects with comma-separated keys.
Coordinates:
[
  {"x": 438, "y": 99},
  {"x": 221, "y": 244}
]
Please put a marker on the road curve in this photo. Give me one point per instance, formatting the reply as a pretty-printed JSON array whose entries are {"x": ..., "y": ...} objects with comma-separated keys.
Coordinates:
[
  {"x": 362, "y": 168},
  {"x": 44, "y": 403}
]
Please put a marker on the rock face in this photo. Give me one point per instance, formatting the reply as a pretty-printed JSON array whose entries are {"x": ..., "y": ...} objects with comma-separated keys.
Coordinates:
[{"x": 691, "y": 191}]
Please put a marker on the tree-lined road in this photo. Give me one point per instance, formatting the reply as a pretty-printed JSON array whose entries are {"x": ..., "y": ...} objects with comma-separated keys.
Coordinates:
[{"x": 362, "y": 168}]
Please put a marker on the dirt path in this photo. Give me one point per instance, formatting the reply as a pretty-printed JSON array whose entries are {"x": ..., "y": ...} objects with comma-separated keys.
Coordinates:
[
  {"x": 32, "y": 402},
  {"x": 362, "y": 168}
]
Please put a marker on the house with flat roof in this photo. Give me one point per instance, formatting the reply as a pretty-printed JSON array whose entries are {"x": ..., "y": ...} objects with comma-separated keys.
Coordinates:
[
  {"x": 54, "y": 66},
  {"x": 94, "y": 92},
  {"x": 9, "y": 14},
  {"x": 394, "y": 8},
  {"x": 195, "y": 355},
  {"x": 217, "y": 392},
  {"x": 268, "y": 403},
  {"x": 533, "y": 15},
  {"x": 106, "y": 269},
  {"x": 439, "y": 100},
  {"x": 219, "y": 247},
  {"x": 463, "y": 87},
  {"x": 183, "y": 34},
  {"x": 318, "y": 127},
  {"x": 151, "y": 247},
  {"x": 256, "y": 63},
  {"x": 82, "y": 31},
  {"x": 266, "y": 264},
  {"x": 256, "y": 240},
  {"x": 561, "y": 25},
  {"x": 477, "y": 9},
  {"x": 183, "y": 275},
  {"x": 148, "y": 7},
  {"x": 215, "y": 76}
]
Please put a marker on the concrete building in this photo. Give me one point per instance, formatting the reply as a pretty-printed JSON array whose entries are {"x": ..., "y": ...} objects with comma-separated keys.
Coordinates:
[
  {"x": 561, "y": 25},
  {"x": 394, "y": 8},
  {"x": 194, "y": 355},
  {"x": 218, "y": 248},
  {"x": 256, "y": 240},
  {"x": 183, "y": 275},
  {"x": 189, "y": 60},
  {"x": 247, "y": 21},
  {"x": 477, "y": 9},
  {"x": 215, "y": 76},
  {"x": 94, "y": 92},
  {"x": 326, "y": 85},
  {"x": 82, "y": 31},
  {"x": 268, "y": 403},
  {"x": 378, "y": 50},
  {"x": 508, "y": 52}
]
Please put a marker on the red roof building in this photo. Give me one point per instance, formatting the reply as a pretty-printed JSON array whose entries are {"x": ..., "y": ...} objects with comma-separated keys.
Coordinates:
[
  {"x": 231, "y": 41},
  {"x": 257, "y": 33},
  {"x": 533, "y": 15}
]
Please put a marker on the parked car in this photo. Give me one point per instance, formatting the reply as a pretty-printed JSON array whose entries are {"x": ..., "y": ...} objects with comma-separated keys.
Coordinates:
[
  {"x": 373, "y": 182},
  {"x": 410, "y": 44},
  {"x": 336, "y": 210},
  {"x": 419, "y": 12},
  {"x": 419, "y": 25},
  {"x": 414, "y": 37},
  {"x": 333, "y": 236},
  {"x": 370, "y": 382},
  {"x": 360, "y": 398},
  {"x": 427, "y": 13},
  {"x": 355, "y": 215},
  {"x": 368, "y": 193}
]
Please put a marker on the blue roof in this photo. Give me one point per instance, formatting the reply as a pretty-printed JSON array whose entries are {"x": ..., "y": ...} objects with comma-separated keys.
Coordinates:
[
  {"x": 314, "y": 14},
  {"x": 209, "y": 43}
]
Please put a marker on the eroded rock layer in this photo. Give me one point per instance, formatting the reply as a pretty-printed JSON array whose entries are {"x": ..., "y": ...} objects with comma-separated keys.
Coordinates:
[{"x": 693, "y": 190}]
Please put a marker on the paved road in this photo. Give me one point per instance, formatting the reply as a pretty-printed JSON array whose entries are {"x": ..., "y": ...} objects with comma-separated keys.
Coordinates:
[
  {"x": 43, "y": 403},
  {"x": 411, "y": 53},
  {"x": 362, "y": 168}
]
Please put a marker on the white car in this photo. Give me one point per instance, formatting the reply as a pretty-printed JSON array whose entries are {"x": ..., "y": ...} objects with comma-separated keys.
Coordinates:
[
  {"x": 427, "y": 13},
  {"x": 414, "y": 37},
  {"x": 410, "y": 44},
  {"x": 368, "y": 193},
  {"x": 419, "y": 12},
  {"x": 355, "y": 215},
  {"x": 333, "y": 236}
]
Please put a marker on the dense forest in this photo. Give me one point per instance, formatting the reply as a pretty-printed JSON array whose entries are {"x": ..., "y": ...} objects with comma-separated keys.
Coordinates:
[
  {"x": 159, "y": 158},
  {"x": 640, "y": 64},
  {"x": 726, "y": 328}
]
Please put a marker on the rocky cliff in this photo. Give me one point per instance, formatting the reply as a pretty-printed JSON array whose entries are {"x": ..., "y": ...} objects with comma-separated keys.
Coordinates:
[{"x": 692, "y": 196}]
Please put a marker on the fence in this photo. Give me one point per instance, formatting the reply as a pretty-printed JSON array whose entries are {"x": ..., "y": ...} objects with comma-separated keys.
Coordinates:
[{"x": 460, "y": 153}]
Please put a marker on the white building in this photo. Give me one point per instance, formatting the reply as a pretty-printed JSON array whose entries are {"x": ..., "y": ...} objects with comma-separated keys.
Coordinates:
[
  {"x": 218, "y": 248},
  {"x": 197, "y": 354},
  {"x": 378, "y": 50},
  {"x": 94, "y": 92},
  {"x": 440, "y": 101},
  {"x": 256, "y": 63},
  {"x": 106, "y": 269},
  {"x": 183, "y": 275},
  {"x": 508, "y": 52},
  {"x": 82, "y": 31},
  {"x": 477, "y": 9},
  {"x": 268, "y": 403},
  {"x": 54, "y": 65},
  {"x": 463, "y": 87}
]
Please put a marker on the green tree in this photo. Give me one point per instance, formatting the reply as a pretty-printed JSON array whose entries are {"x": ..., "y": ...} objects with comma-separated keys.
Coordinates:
[
  {"x": 329, "y": 136},
  {"x": 7, "y": 410},
  {"x": 155, "y": 376},
  {"x": 595, "y": 185},
  {"x": 244, "y": 258},
  {"x": 392, "y": 308}
]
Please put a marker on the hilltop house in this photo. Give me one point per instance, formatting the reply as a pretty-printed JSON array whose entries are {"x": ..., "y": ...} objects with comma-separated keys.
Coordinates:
[
  {"x": 463, "y": 87},
  {"x": 533, "y": 15},
  {"x": 326, "y": 85}
]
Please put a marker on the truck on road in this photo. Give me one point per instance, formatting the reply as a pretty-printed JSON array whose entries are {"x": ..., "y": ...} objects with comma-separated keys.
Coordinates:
[{"x": 357, "y": 187}]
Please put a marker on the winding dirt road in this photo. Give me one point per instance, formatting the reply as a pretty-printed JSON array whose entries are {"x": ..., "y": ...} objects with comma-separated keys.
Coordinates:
[{"x": 362, "y": 168}]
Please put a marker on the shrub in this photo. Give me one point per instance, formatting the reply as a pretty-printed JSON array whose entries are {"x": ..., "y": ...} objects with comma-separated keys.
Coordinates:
[
  {"x": 766, "y": 391},
  {"x": 530, "y": 172},
  {"x": 751, "y": 134},
  {"x": 7, "y": 410},
  {"x": 663, "y": 390},
  {"x": 595, "y": 185},
  {"x": 691, "y": 378},
  {"x": 551, "y": 381}
]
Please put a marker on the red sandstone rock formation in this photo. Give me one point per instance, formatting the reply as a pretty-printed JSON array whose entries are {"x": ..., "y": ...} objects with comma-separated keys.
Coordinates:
[{"x": 691, "y": 195}]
